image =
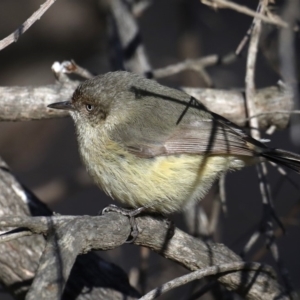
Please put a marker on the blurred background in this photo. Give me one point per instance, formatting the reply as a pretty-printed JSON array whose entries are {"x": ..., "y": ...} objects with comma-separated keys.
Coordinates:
[{"x": 44, "y": 154}]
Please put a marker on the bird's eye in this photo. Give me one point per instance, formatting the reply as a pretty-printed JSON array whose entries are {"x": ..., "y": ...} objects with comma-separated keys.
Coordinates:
[{"x": 89, "y": 107}]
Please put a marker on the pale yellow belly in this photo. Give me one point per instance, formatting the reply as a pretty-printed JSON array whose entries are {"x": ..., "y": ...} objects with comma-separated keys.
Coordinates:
[{"x": 163, "y": 184}]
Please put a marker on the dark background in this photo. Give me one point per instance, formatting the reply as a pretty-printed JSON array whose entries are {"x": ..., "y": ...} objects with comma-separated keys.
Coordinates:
[{"x": 44, "y": 154}]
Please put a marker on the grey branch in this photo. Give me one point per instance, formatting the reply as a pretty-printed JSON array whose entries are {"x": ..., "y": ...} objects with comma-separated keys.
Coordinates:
[
  {"x": 262, "y": 168},
  {"x": 208, "y": 271},
  {"x": 124, "y": 31},
  {"x": 271, "y": 18},
  {"x": 70, "y": 66},
  {"x": 231, "y": 104},
  {"x": 68, "y": 237},
  {"x": 192, "y": 64},
  {"x": 20, "y": 255},
  {"x": 30, "y": 103},
  {"x": 64, "y": 243},
  {"x": 26, "y": 25}
]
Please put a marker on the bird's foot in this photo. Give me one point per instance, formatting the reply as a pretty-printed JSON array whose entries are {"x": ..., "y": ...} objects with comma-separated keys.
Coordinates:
[{"x": 131, "y": 214}]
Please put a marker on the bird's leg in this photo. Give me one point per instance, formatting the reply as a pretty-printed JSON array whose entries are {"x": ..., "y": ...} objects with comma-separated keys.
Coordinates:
[{"x": 131, "y": 214}]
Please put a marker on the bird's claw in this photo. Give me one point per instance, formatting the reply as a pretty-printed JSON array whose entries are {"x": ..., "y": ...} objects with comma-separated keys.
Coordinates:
[{"x": 131, "y": 214}]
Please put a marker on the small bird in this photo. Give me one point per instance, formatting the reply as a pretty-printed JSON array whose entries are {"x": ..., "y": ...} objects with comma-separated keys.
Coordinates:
[{"x": 151, "y": 146}]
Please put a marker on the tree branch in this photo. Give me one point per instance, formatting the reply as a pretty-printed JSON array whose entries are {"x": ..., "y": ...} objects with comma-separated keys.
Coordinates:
[
  {"x": 90, "y": 278},
  {"x": 208, "y": 271},
  {"x": 268, "y": 206},
  {"x": 127, "y": 51},
  {"x": 272, "y": 19},
  {"x": 30, "y": 103},
  {"x": 75, "y": 235},
  {"x": 26, "y": 25}
]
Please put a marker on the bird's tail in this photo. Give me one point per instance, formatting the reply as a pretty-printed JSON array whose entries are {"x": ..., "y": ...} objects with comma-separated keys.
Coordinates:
[{"x": 284, "y": 158}]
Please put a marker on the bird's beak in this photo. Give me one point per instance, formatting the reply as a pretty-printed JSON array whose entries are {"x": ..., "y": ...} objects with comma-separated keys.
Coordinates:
[{"x": 65, "y": 105}]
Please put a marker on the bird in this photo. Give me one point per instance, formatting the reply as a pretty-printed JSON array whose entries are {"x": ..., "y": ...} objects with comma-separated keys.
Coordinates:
[{"x": 151, "y": 146}]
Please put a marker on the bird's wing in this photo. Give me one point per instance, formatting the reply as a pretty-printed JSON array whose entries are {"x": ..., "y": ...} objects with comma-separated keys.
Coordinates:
[{"x": 211, "y": 136}]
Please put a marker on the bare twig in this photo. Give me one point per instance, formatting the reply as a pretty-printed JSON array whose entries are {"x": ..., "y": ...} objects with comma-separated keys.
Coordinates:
[
  {"x": 288, "y": 56},
  {"x": 231, "y": 105},
  {"x": 26, "y": 25},
  {"x": 218, "y": 204},
  {"x": 144, "y": 268},
  {"x": 289, "y": 220},
  {"x": 244, "y": 41},
  {"x": 30, "y": 103},
  {"x": 267, "y": 225},
  {"x": 253, "y": 239},
  {"x": 127, "y": 49},
  {"x": 250, "y": 73},
  {"x": 69, "y": 66},
  {"x": 74, "y": 235},
  {"x": 271, "y": 19},
  {"x": 59, "y": 72},
  {"x": 196, "y": 221},
  {"x": 271, "y": 130},
  {"x": 209, "y": 271},
  {"x": 197, "y": 65},
  {"x": 287, "y": 112},
  {"x": 64, "y": 244},
  {"x": 139, "y": 7},
  {"x": 215, "y": 216},
  {"x": 250, "y": 94},
  {"x": 188, "y": 64},
  {"x": 20, "y": 256},
  {"x": 222, "y": 192}
]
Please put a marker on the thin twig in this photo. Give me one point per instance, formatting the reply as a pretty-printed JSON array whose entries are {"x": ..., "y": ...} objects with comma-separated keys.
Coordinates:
[
  {"x": 253, "y": 239},
  {"x": 193, "y": 64},
  {"x": 196, "y": 221},
  {"x": 222, "y": 192},
  {"x": 244, "y": 41},
  {"x": 288, "y": 59},
  {"x": 188, "y": 64},
  {"x": 215, "y": 216},
  {"x": 209, "y": 271},
  {"x": 269, "y": 213},
  {"x": 139, "y": 7},
  {"x": 26, "y": 25},
  {"x": 271, "y": 19},
  {"x": 69, "y": 66},
  {"x": 250, "y": 73},
  {"x": 59, "y": 72},
  {"x": 288, "y": 112},
  {"x": 127, "y": 51},
  {"x": 288, "y": 220},
  {"x": 250, "y": 94},
  {"x": 215, "y": 210},
  {"x": 271, "y": 130}
]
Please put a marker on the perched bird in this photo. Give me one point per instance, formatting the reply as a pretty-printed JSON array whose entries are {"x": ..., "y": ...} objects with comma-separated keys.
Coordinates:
[{"x": 148, "y": 145}]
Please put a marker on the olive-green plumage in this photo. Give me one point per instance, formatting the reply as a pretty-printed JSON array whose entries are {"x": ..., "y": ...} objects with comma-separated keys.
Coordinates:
[{"x": 153, "y": 146}]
